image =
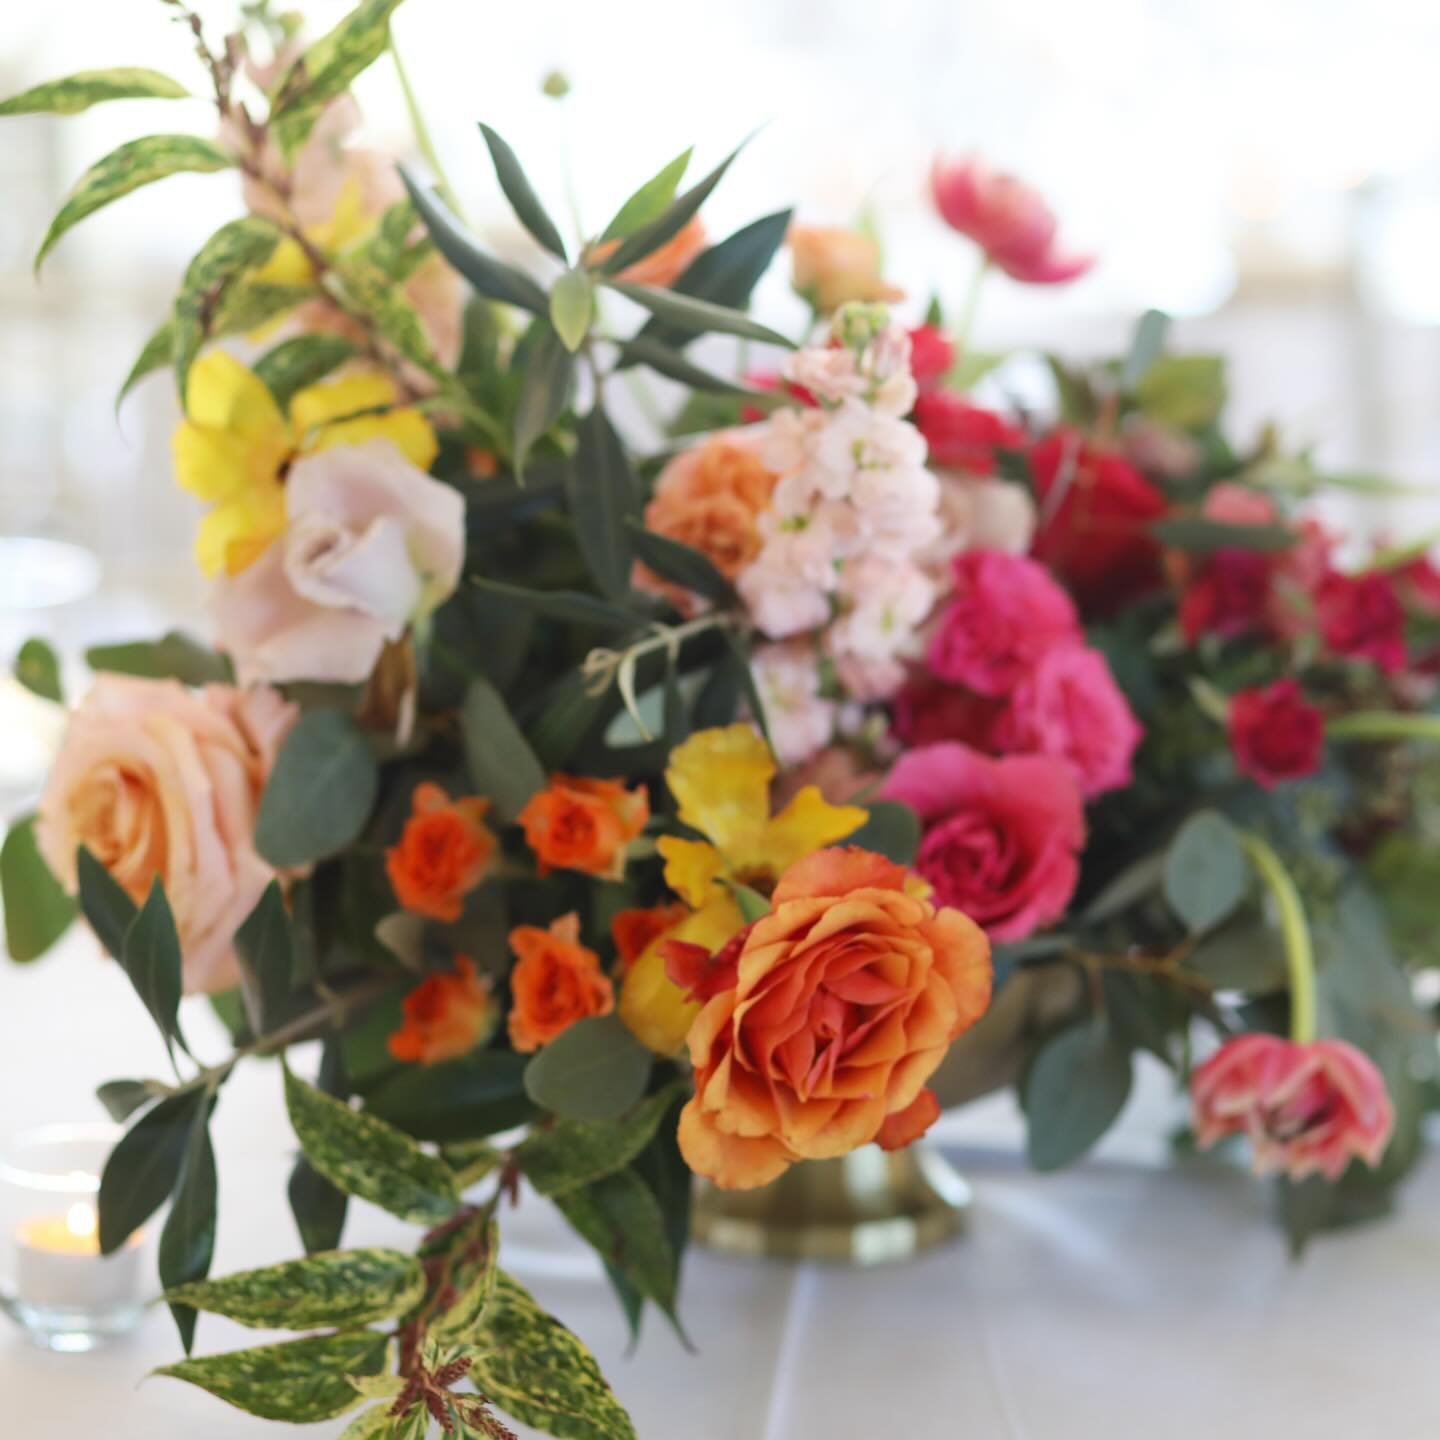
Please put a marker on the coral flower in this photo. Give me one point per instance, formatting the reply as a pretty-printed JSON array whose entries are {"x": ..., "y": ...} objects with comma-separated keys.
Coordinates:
[
  {"x": 585, "y": 824},
  {"x": 442, "y": 854},
  {"x": 1308, "y": 1109},
  {"x": 847, "y": 996},
  {"x": 445, "y": 1016},
  {"x": 557, "y": 982},
  {"x": 1008, "y": 220},
  {"x": 235, "y": 446},
  {"x": 833, "y": 266},
  {"x": 665, "y": 265}
]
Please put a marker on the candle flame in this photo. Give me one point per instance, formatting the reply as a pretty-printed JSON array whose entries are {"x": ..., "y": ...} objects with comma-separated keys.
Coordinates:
[{"x": 81, "y": 1220}]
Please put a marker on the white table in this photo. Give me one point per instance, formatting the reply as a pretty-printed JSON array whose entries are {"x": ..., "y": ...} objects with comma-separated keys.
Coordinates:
[{"x": 1117, "y": 1300}]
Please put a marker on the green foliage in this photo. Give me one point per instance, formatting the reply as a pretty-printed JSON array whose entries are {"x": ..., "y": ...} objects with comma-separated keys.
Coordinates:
[
  {"x": 1145, "y": 348},
  {"x": 90, "y": 87},
  {"x": 666, "y": 361},
  {"x": 265, "y": 948},
  {"x": 476, "y": 1095},
  {"x": 301, "y": 361},
  {"x": 174, "y": 656},
  {"x": 893, "y": 830},
  {"x": 38, "y": 910},
  {"x": 545, "y": 383},
  {"x": 681, "y": 564},
  {"x": 572, "y": 306},
  {"x": 145, "y": 1165},
  {"x": 1207, "y": 875},
  {"x": 187, "y": 1243},
  {"x": 522, "y": 197},
  {"x": 122, "y": 1098},
  {"x": 104, "y": 903},
  {"x": 604, "y": 499},
  {"x": 151, "y": 957},
  {"x": 698, "y": 317},
  {"x": 1075, "y": 1089},
  {"x": 137, "y": 163},
  {"x": 299, "y": 1381},
  {"x": 651, "y": 200},
  {"x": 37, "y": 668},
  {"x": 157, "y": 353},
  {"x": 1183, "y": 391},
  {"x": 1199, "y": 535},
  {"x": 501, "y": 763},
  {"x": 593, "y": 1070}
]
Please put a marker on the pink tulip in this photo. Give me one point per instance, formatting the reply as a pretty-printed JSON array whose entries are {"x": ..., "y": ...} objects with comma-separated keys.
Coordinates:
[{"x": 1008, "y": 220}]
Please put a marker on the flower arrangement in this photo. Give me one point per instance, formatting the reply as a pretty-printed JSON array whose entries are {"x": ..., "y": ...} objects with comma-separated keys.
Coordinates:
[{"x": 611, "y": 818}]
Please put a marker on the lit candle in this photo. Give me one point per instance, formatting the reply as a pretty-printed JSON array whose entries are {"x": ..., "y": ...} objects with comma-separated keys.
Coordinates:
[{"x": 58, "y": 1264}]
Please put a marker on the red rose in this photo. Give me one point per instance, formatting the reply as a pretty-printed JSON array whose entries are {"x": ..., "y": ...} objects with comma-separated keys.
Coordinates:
[
  {"x": 1228, "y": 597},
  {"x": 1002, "y": 837},
  {"x": 926, "y": 710},
  {"x": 1361, "y": 616},
  {"x": 1419, "y": 582},
  {"x": 962, "y": 436},
  {"x": 1005, "y": 613},
  {"x": 932, "y": 353},
  {"x": 1096, "y": 510},
  {"x": 1275, "y": 733}
]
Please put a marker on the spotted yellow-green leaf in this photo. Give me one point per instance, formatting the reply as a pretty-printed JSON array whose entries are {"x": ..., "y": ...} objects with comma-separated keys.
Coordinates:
[
  {"x": 301, "y": 361},
  {"x": 374, "y": 1424},
  {"x": 335, "y": 1290},
  {"x": 136, "y": 163},
  {"x": 529, "y": 1365},
  {"x": 366, "y": 1157},
  {"x": 158, "y": 352},
  {"x": 300, "y": 1381},
  {"x": 470, "y": 1273},
  {"x": 90, "y": 87},
  {"x": 251, "y": 304},
  {"x": 393, "y": 316}
]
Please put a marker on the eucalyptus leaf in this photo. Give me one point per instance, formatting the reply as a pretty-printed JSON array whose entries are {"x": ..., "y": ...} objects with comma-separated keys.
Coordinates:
[
  {"x": 37, "y": 668},
  {"x": 175, "y": 656},
  {"x": 521, "y": 195},
  {"x": 893, "y": 830},
  {"x": 1075, "y": 1089},
  {"x": 651, "y": 200},
  {"x": 38, "y": 909},
  {"x": 594, "y": 1069},
  {"x": 90, "y": 87},
  {"x": 1207, "y": 874},
  {"x": 497, "y": 754}
]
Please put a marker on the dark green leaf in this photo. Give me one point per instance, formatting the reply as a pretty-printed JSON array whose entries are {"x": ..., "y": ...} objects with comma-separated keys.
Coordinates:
[
  {"x": 1245, "y": 953},
  {"x": 122, "y": 1098},
  {"x": 89, "y": 87},
  {"x": 187, "y": 1243},
  {"x": 620, "y": 1217},
  {"x": 603, "y": 493},
  {"x": 650, "y": 201},
  {"x": 37, "y": 668},
  {"x": 301, "y": 361},
  {"x": 144, "y": 1167},
  {"x": 544, "y": 390},
  {"x": 151, "y": 957},
  {"x": 572, "y": 306},
  {"x": 301, "y": 1381},
  {"x": 174, "y": 656},
  {"x": 521, "y": 195},
  {"x": 573, "y": 607},
  {"x": 1199, "y": 535},
  {"x": 1076, "y": 1087},
  {"x": 1207, "y": 874},
  {"x": 38, "y": 910},
  {"x": 157, "y": 354},
  {"x": 1145, "y": 348},
  {"x": 497, "y": 754},
  {"x": 593, "y": 1070},
  {"x": 476, "y": 1095},
  {"x": 266, "y": 950},
  {"x": 565, "y": 713},
  {"x": 318, "y": 1207},
  {"x": 104, "y": 903},
  {"x": 747, "y": 684},
  {"x": 643, "y": 350},
  {"x": 136, "y": 163},
  {"x": 1132, "y": 885},
  {"x": 893, "y": 830},
  {"x": 682, "y": 564},
  {"x": 699, "y": 317},
  {"x": 320, "y": 792}
]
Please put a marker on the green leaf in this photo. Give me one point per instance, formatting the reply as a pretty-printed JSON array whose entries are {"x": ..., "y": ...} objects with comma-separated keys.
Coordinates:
[
  {"x": 532, "y": 1367},
  {"x": 572, "y": 1153},
  {"x": 333, "y": 1291},
  {"x": 497, "y": 754},
  {"x": 573, "y": 607},
  {"x": 491, "y": 277},
  {"x": 1207, "y": 875},
  {"x": 1199, "y": 535},
  {"x": 660, "y": 358},
  {"x": 90, "y": 87},
  {"x": 318, "y": 1207},
  {"x": 366, "y": 1157},
  {"x": 680, "y": 563},
  {"x": 476, "y": 1095},
  {"x": 470, "y": 1272},
  {"x": 104, "y": 903},
  {"x": 1145, "y": 348},
  {"x": 248, "y": 304},
  {"x": 326, "y": 70},
  {"x": 122, "y": 1098},
  {"x": 301, "y": 361},
  {"x": 1133, "y": 884},
  {"x": 300, "y": 1381},
  {"x": 187, "y": 1243},
  {"x": 697, "y": 316},
  {"x": 1076, "y": 1086},
  {"x": 37, "y": 668},
  {"x": 137, "y": 163},
  {"x": 159, "y": 352},
  {"x": 265, "y": 947},
  {"x": 751, "y": 903},
  {"x": 572, "y": 304},
  {"x": 38, "y": 910},
  {"x": 521, "y": 195},
  {"x": 651, "y": 200},
  {"x": 374, "y": 1424},
  {"x": 391, "y": 313},
  {"x": 174, "y": 656},
  {"x": 151, "y": 957},
  {"x": 970, "y": 367},
  {"x": 893, "y": 830},
  {"x": 593, "y": 1070},
  {"x": 603, "y": 494},
  {"x": 650, "y": 237},
  {"x": 544, "y": 390},
  {"x": 320, "y": 793},
  {"x": 1183, "y": 391},
  {"x": 144, "y": 1166}
]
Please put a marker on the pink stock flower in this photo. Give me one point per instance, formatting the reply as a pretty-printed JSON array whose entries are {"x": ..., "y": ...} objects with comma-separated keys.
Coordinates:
[
  {"x": 962, "y": 436},
  {"x": 1005, "y": 613},
  {"x": 1002, "y": 837},
  {"x": 1069, "y": 708},
  {"x": 1275, "y": 733},
  {"x": 1008, "y": 220},
  {"x": 1361, "y": 617},
  {"x": 1308, "y": 1109},
  {"x": 932, "y": 353}
]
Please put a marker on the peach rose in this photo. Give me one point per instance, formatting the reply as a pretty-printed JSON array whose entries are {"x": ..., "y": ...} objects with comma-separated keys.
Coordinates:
[
  {"x": 157, "y": 780},
  {"x": 847, "y": 996},
  {"x": 833, "y": 266},
  {"x": 557, "y": 982}
]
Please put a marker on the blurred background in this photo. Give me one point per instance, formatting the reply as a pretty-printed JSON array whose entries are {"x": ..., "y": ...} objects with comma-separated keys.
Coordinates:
[{"x": 1270, "y": 175}]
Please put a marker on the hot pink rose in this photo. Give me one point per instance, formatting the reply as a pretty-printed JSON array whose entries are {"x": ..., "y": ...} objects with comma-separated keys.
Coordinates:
[
  {"x": 157, "y": 780},
  {"x": 1002, "y": 837},
  {"x": 1005, "y": 613},
  {"x": 932, "y": 353},
  {"x": 1308, "y": 1109},
  {"x": 1006, "y": 218},
  {"x": 1361, "y": 617},
  {"x": 371, "y": 543},
  {"x": 1069, "y": 707},
  {"x": 962, "y": 436}
]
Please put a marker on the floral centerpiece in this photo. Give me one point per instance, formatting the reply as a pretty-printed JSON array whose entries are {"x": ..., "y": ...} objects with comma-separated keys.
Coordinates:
[{"x": 610, "y": 818}]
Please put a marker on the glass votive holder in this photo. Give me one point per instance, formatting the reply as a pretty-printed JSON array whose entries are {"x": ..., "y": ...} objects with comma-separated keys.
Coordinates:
[{"x": 54, "y": 1282}]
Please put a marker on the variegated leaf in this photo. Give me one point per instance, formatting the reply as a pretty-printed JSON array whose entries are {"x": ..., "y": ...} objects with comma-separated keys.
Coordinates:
[
  {"x": 332, "y": 1290},
  {"x": 470, "y": 1273},
  {"x": 373, "y": 1424},
  {"x": 89, "y": 87},
  {"x": 157, "y": 354}
]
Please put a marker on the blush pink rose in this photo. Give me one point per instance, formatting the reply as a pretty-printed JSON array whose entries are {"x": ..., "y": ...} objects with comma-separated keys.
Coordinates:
[
  {"x": 371, "y": 543},
  {"x": 160, "y": 781},
  {"x": 1004, "y": 614},
  {"x": 1068, "y": 707},
  {"x": 1308, "y": 1109},
  {"x": 1001, "y": 837}
]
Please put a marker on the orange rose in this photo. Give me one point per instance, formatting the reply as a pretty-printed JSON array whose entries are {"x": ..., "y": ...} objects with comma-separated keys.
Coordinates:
[
  {"x": 443, "y": 853},
  {"x": 662, "y": 267},
  {"x": 557, "y": 982},
  {"x": 848, "y": 995},
  {"x": 634, "y": 930},
  {"x": 584, "y": 824},
  {"x": 445, "y": 1016},
  {"x": 834, "y": 266}
]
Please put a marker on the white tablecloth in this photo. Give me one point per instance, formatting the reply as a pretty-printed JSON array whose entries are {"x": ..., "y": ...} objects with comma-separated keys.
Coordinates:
[{"x": 1117, "y": 1300}]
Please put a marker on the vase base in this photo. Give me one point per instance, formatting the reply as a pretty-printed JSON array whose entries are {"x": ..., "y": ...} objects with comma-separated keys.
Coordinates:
[{"x": 867, "y": 1208}]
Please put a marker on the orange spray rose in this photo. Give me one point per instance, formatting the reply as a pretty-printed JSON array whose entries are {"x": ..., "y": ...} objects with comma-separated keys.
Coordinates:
[
  {"x": 557, "y": 982},
  {"x": 833, "y": 266},
  {"x": 443, "y": 853},
  {"x": 445, "y": 1016},
  {"x": 584, "y": 824},
  {"x": 847, "y": 996}
]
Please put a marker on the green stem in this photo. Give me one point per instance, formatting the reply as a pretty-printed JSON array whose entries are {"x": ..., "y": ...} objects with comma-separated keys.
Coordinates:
[
  {"x": 1395, "y": 556},
  {"x": 1295, "y": 929},
  {"x": 1383, "y": 725},
  {"x": 972, "y": 307},
  {"x": 422, "y": 133}
]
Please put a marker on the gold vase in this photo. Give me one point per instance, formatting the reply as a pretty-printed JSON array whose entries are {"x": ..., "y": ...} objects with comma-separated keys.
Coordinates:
[{"x": 865, "y": 1208}]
